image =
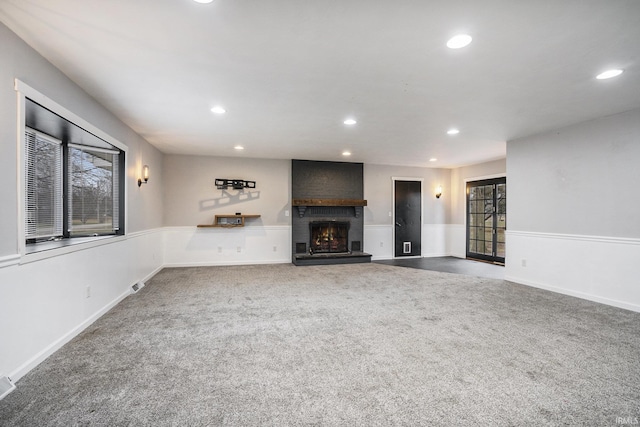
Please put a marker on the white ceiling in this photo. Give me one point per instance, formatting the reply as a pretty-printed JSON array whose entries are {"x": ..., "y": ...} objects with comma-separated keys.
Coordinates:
[{"x": 290, "y": 71}]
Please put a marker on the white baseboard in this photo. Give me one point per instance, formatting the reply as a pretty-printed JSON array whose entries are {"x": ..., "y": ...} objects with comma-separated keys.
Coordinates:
[
  {"x": 8, "y": 261},
  {"x": 226, "y": 263},
  {"x": 577, "y": 294},
  {"x": 153, "y": 273},
  {"x": 6, "y": 387}
]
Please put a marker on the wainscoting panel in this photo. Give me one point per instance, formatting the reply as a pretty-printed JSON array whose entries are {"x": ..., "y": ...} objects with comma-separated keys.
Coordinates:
[
  {"x": 378, "y": 241},
  {"x": 434, "y": 240},
  {"x": 45, "y": 303},
  {"x": 601, "y": 269},
  {"x": 191, "y": 246},
  {"x": 456, "y": 240}
]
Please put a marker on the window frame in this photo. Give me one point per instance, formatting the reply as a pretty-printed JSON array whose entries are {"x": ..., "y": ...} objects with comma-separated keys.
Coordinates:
[
  {"x": 70, "y": 230},
  {"x": 33, "y": 252}
]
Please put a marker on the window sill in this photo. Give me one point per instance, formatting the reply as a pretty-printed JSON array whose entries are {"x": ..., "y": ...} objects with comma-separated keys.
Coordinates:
[{"x": 43, "y": 250}]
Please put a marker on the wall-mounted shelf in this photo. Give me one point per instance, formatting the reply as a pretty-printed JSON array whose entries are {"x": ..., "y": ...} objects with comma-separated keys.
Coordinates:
[{"x": 229, "y": 221}]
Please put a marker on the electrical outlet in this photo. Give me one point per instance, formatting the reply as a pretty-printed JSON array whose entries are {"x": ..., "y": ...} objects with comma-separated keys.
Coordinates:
[
  {"x": 239, "y": 249},
  {"x": 381, "y": 244},
  {"x": 219, "y": 249},
  {"x": 275, "y": 249},
  {"x": 286, "y": 213},
  {"x": 88, "y": 290},
  {"x": 524, "y": 262}
]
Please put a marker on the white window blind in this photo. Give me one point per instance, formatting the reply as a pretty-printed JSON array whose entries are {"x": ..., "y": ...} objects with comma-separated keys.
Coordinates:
[
  {"x": 43, "y": 181},
  {"x": 93, "y": 197}
]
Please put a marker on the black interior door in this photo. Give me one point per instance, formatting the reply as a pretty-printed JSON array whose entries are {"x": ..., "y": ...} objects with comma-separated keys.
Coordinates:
[{"x": 408, "y": 218}]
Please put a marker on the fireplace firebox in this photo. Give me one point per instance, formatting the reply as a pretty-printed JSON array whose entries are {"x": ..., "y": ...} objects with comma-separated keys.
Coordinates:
[{"x": 329, "y": 237}]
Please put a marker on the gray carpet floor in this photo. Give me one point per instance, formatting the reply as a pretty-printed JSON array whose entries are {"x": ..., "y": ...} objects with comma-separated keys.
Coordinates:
[
  {"x": 449, "y": 264},
  {"x": 362, "y": 344}
]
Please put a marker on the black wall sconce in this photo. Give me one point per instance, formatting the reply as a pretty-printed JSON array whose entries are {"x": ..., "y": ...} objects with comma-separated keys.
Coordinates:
[
  {"x": 438, "y": 191},
  {"x": 236, "y": 184},
  {"x": 145, "y": 176}
]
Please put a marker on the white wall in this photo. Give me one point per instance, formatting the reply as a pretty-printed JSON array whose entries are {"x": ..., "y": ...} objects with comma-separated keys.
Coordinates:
[
  {"x": 573, "y": 210},
  {"x": 191, "y": 197},
  {"x": 43, "y": 303}
]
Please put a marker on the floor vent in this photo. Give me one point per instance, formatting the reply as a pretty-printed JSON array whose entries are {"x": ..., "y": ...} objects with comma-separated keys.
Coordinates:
[
  {"x": 135, "y": 288},
  {"x": 6, "y": 387}
]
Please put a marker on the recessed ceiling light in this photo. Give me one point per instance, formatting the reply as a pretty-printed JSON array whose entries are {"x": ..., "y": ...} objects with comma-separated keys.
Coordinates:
[
  {"x": 433, "y": 159},
  {"x": 608, "y": 74},
  {"x": 218, "y": 110},
  {"x": 238, "y": 147},
  {"x": 453, "y": 132},
  {"x": 203, "y": 1},
  {"x": 346, "y": 153},
  {"x": 461, "y": 40},
  {"x": 350, "y": 122}
]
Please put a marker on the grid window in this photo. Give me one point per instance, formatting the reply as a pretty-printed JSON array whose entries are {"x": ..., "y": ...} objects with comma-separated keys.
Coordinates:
[
  {"x": 92, "y": 194},
  {"x": 486, "y": 219}
]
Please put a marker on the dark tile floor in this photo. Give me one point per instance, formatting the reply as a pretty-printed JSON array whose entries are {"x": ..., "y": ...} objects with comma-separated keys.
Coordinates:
[{"x": 451, "y": 264}]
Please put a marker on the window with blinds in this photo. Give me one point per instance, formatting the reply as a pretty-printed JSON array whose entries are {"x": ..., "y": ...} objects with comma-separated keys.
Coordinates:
[
  {"x": 73, "y": 177},
  {"x": 74, "y": 181},
  {"x": 44, "y": 187}
]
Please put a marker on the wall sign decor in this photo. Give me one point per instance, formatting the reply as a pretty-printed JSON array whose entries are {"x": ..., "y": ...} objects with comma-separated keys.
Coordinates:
[{"x": 236, "y": 184}]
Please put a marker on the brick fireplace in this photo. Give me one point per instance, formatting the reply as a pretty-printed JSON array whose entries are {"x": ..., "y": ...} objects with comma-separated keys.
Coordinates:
[{"x": 327, "y": 216}]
